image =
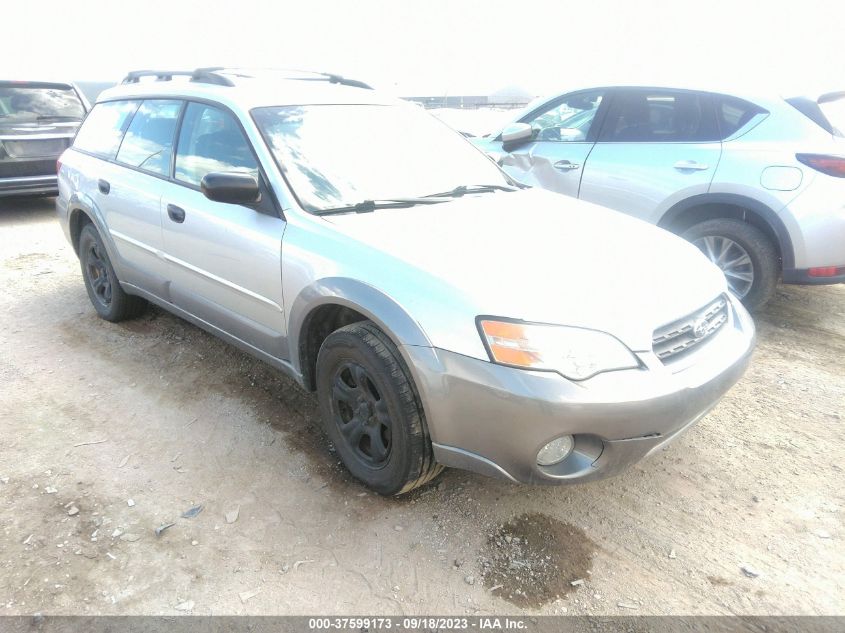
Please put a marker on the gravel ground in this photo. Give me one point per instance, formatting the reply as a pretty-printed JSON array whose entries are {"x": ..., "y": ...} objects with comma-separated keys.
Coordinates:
[{"x": 111, "y": 431}]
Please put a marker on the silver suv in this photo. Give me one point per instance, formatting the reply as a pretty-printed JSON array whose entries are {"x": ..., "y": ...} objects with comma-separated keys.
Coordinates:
[
  {"x": 756, "y": 182},
  {"x": 443, "y": 314}
]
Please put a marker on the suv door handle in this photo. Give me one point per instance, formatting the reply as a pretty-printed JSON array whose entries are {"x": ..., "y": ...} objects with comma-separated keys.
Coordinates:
[
  {"x": 691, "y": 165},
  {"x": 565, "y": 165},
  {"x": 177, "y": 214},
  {"x": 103, "y": 186}
]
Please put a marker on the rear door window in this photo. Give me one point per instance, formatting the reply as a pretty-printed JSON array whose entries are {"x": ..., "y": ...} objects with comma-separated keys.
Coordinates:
[
  {"x": 148, "y": 143},
  {"x": 104, "y": 127},
  {"x": 655, "y": 116}
]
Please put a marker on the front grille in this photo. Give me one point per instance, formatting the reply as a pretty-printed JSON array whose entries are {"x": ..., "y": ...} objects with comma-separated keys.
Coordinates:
[
  {"x": 672, "y": 340},
  {"x": 21, "y": 168}
]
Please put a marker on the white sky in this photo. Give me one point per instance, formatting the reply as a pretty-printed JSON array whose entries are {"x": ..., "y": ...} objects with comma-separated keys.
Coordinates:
[{"x": 435, "y": 47}]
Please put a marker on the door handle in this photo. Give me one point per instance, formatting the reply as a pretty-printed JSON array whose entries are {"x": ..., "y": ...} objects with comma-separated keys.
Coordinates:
[
  {"x": 691, "y": 165},
  {"x": 103, "y": 186},
  {"x": 177, "y": 214},
  {"x": 565, "y": 165}
]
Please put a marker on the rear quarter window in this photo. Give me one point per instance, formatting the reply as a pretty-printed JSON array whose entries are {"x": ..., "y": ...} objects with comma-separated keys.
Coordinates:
[
  {"x": 733, "y": 114},
  {"x": 103, "y": 128}
]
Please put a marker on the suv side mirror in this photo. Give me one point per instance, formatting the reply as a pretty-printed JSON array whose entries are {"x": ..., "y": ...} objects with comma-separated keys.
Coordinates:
[
  {"x": 516, "y": 134},
  {"x": 230, "y": 187}
]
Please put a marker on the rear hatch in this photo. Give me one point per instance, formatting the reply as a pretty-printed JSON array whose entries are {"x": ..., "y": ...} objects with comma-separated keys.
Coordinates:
[
  {"x": 38, "y": 121},
  {"x": 828, "y": 112}
]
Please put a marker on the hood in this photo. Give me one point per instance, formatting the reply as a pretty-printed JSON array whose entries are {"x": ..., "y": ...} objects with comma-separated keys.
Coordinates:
[{"x": 542, "y": 257}]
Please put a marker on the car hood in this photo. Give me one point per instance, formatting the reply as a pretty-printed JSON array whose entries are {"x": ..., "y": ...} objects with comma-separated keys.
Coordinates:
[{"x": 542, "y": 257}]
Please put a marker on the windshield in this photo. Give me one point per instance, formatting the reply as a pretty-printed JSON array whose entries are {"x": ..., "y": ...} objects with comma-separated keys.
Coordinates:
[{"x": 339, "y": 155}]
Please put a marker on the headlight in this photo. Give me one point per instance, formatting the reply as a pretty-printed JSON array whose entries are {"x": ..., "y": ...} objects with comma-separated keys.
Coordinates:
[{"x": 576, "y": 353}]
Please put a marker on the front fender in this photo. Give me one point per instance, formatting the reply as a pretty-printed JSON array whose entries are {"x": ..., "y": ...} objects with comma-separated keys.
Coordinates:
[
  {"x": 421, "y": 358},
  {"x": 359, "y": 296}
]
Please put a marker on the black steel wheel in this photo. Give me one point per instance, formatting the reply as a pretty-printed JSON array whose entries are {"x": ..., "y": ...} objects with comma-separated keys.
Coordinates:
[
  {"x": 360, "y": 414},
  {"x": 109, "y": 299},
  {"x": 371, "y": 411}
]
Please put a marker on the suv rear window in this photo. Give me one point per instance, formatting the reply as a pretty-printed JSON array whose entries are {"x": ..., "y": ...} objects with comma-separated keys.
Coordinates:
[
  {"x": 33, "y": 102},
  {"x": 822, "y": 115},
  {"x": 834, "y": 111},
  {"x": 103, "y": 129}
]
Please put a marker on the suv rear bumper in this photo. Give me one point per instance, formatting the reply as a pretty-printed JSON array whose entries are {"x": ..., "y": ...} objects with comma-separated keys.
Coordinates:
[
  {"x": 802, "y": 276},
  {"x": 29, "y": 185},
  {"x": 493, "y": 419}
]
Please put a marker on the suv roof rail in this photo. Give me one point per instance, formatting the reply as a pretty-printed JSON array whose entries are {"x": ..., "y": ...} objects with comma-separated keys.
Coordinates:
[
  {"x": 221, "y": 76},
  {"x": 337, "y": 79},
  {"x": 203, "y": 75},
  {"x": 301, "y": 75}
]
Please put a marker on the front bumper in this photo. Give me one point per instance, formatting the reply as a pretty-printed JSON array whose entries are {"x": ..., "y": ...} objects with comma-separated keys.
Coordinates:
[
  {"x": 29, "y": 185},
  {"x": 493, "y": 419}
]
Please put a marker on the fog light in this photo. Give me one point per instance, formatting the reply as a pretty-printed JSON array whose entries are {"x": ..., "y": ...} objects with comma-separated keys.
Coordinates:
[{"x": 555, "y": 451}]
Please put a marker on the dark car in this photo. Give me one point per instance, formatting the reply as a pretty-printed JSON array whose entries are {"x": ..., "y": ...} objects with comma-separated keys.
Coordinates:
[{"x": 38, "y": 121}]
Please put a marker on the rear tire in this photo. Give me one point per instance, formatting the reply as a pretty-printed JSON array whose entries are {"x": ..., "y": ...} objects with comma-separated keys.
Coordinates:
[
  {"x": 104, "y": 290},
  {"x": 371, "y": 411},
  {"x": 740, "y": 250}
]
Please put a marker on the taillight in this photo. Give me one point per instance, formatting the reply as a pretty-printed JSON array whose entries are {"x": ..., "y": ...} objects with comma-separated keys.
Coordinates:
[
  {"x": 827, "y": 271},
  {"x": 830, "y": 165},
  {"x": 58, "y": 165}
]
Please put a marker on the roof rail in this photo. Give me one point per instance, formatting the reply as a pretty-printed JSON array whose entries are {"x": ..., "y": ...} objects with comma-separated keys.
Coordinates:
[
  {"x": 305, "y": 75},
  {"x": 221, "y": 76},
  {"x": 337, "y": 79},
  {"x": 201, "y": 75}
]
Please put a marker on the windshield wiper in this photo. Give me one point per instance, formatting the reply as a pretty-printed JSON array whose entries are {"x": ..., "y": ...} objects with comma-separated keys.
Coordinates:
[
  {"x": 366, "y": 206},
  {"x": 459, "y": 191}
]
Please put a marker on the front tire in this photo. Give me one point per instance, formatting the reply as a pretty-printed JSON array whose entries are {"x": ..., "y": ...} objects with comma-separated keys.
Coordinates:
[
  {"x": 371, "y": 411},
  {"x": 745, "y": 255},
  {"x": 104, "y": 291}
]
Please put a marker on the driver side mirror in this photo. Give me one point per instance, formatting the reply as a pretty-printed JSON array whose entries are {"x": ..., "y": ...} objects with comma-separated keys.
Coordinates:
[
  {"x": 515, "y": 135},
  {"x": 231, "y": 187}
]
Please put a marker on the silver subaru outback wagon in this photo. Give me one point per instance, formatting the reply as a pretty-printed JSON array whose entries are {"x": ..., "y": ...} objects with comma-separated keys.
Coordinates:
[{"x": 445, "y": 315}]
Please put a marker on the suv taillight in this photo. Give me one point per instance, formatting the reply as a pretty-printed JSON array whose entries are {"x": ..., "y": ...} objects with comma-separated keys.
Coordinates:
[{"x": 830, "y": 165}]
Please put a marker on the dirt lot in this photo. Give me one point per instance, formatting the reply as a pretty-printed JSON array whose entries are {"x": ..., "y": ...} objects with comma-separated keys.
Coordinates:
[{"x": 155, "y": 411}]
